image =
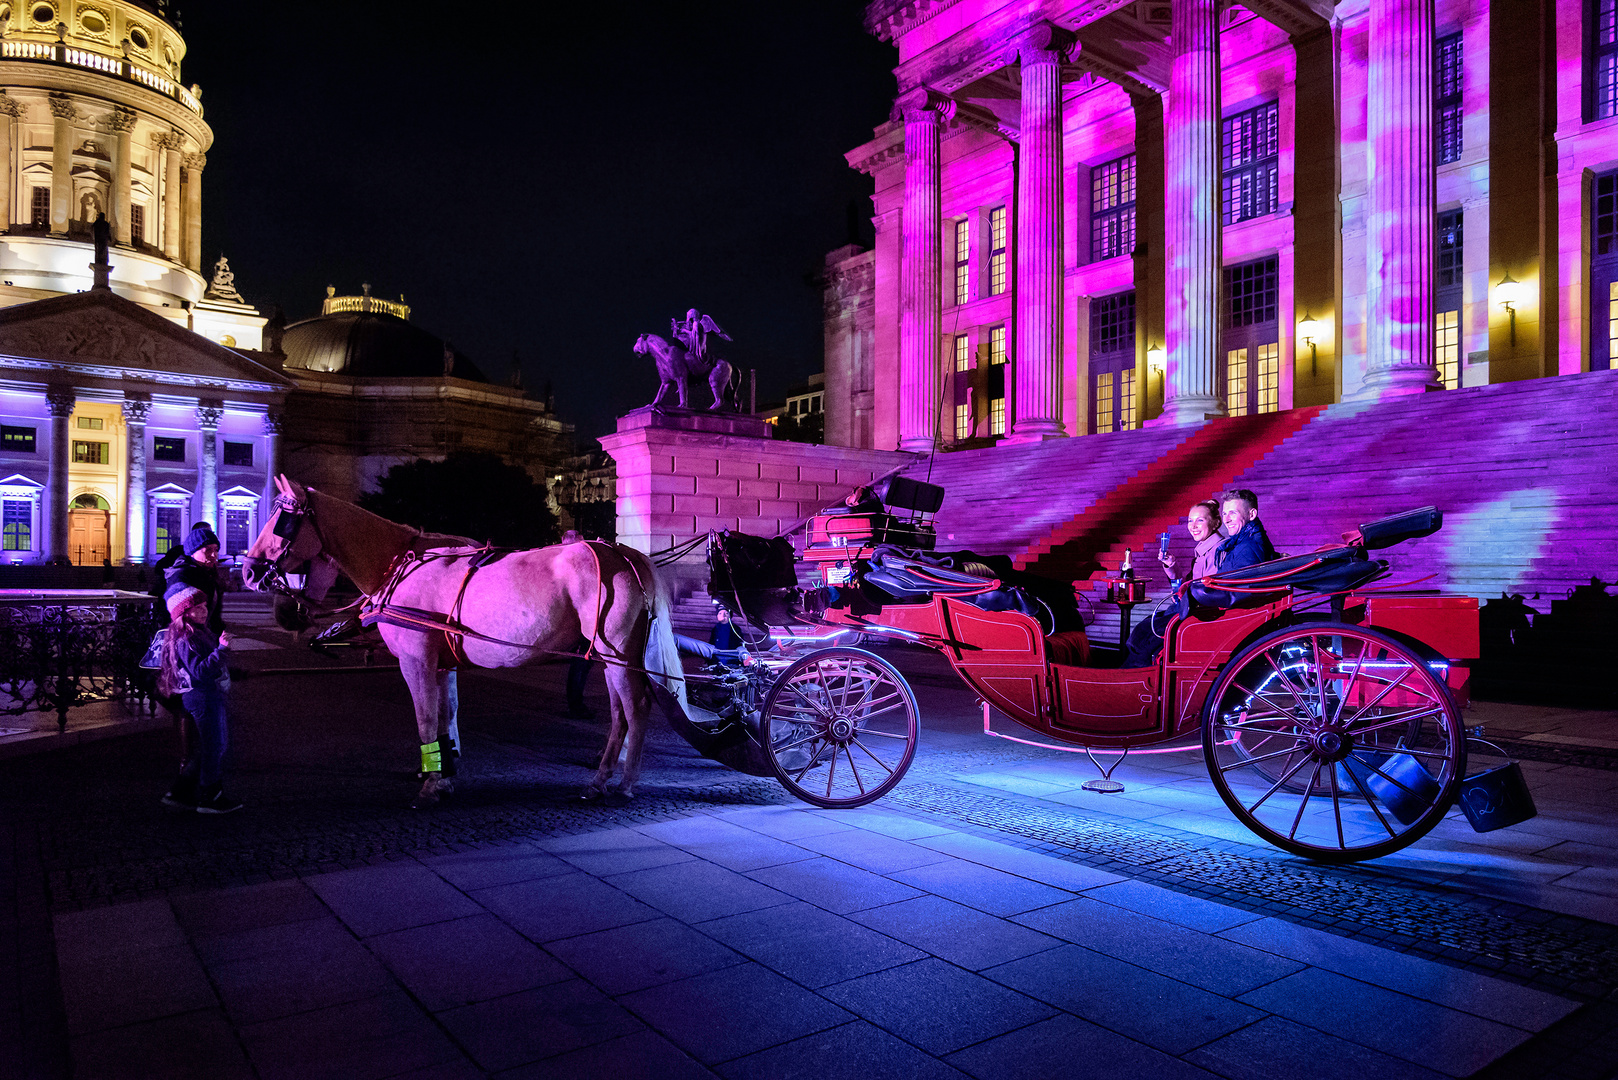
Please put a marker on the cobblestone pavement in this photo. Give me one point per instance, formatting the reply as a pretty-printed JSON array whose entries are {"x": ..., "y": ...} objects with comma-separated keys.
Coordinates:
[{"x": 324, "y": 761}]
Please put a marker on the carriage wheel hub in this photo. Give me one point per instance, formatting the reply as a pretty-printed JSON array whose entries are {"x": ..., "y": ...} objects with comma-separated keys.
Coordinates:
[
  {"x": 1332, "y": 744},
  {"x": 841, "y": 729}
]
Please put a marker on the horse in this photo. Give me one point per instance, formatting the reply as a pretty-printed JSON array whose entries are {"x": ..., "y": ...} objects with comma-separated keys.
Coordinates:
[
  {"x": 441, "y": 602},
  {"x": 676, "y": 368}
]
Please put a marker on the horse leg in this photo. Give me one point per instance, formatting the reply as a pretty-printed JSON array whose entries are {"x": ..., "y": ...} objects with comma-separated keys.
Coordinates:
[
  {"x": 662, "y": 392},
  {"x": 719, "y": 382},
  {"x": 634, "y": 701},
  {"x": 426, "y": 689},
  {"x": 597, "y": 788},
  {"x": 449, "y": 728}
]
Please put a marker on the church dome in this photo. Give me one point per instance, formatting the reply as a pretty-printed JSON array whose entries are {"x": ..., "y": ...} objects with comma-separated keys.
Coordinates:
[{"x": 368, "y": 337}]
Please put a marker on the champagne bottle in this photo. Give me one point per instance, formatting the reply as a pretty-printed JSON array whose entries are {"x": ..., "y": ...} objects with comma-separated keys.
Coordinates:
[{"x": 1129, "y": 569}]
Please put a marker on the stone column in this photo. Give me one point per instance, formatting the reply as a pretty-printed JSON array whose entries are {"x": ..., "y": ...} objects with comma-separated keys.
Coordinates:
[
  {"x": 61, "y": 165},
  {"x": 921, "y": 303},
  {"x": 1191, "y": 189},
  {"x": 274, "y": 428},
  {"x": 9, "y": 111},
  {"x": 135, "y": 412},
  {"x": 171, "y": 144},
  {"x": 209, "y": 413},
  {"x": 1400, "y": 253},
  {"x": 1039, "y": 237},
  {"x": 59, "y": 401},
  {"x": 193, "y": 209},
  {"x": 122, "y": 124}
]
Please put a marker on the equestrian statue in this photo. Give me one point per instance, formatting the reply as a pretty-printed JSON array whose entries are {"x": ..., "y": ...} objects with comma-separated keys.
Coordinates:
[{"x": 689, "y": 356}]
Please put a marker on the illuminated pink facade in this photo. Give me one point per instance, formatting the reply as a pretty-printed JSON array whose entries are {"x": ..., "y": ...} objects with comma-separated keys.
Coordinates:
[{"x": 1092, "y": 216}]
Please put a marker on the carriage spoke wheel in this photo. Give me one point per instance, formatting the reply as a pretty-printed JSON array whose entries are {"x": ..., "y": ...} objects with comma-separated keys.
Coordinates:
[
  {"x": 1334, "y": 742},
  {"x": 839, "y": 727}
]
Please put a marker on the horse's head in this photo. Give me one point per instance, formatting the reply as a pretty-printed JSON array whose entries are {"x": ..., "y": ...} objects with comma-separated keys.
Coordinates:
[
  {"x": 289, "y": 544},
  {"x": 640, "y": 345}
]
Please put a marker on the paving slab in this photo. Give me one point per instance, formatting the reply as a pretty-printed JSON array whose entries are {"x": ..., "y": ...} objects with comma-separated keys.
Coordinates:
[
  {"x": 142, "y": 1051},
  {"x": 1058, "y": 873},
  {"x": 783, "y": 822},
  {"x": 563, "y": 906},
  {"x": 833, "y": 885},
  {"x": 83, "y": 936},
  {"x": 873, "y": 819},
  {"x": 725, "y": 843},
  {"x": 520, "y": 1028},
  {"x": 697, "y": 891},
  {"x": 1171, "y": 906},
  {"x": 642, "y": 1054},
  {"x": 299, "y": 967},
  {"x": 1068, "y": 1048},
  {"x": 937, "y": 1006},
  {"x": 250, "y": 907},
  {"x": 870, "y": 851},
  {"x": 1278, "y": 1049},
  {"x": 612, "y": 851},
  {"x": 132, "y": 986},
  {"x": 1430, "y": 1035},
  {"x": 629, "y": 958},
  {"x": 808, "y": 945},
  {"x": 957, "y": 933},
  {"x": 1164, "y": 1013},
  {"x": 1493, "y": 999},
  {"x": 471, "y": 870},
  {"x": 377, "y": 1037},
  {"x": 733, "y": 1012},
  {"x": 464, "y": 961},
  {"x": 854, "y": 1051},
  {"x": 982, "y": 887},
  {"x": 380, "y": 899}
]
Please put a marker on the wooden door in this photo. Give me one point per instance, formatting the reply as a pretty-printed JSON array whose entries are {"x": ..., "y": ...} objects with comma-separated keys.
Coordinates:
[{"x": 89, "y": 534}]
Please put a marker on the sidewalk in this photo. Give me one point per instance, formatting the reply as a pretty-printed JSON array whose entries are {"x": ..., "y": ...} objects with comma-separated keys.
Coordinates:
[{"x": 762, "y": 942}]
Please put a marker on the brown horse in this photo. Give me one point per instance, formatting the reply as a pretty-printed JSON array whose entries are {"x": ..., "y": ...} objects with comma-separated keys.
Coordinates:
[{"x": 516, "y": 608}]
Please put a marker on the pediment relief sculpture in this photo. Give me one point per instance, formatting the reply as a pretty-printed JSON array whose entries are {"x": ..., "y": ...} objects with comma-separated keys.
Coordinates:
[{"x": 89, "y": 335}]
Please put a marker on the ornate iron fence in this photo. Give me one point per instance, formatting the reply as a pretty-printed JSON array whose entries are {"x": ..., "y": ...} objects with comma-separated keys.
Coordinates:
[{"x": 58, "y": 650}]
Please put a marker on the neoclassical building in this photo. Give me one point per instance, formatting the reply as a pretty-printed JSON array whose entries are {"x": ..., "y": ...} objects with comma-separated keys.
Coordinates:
[{"x": 1096, "y": 215}]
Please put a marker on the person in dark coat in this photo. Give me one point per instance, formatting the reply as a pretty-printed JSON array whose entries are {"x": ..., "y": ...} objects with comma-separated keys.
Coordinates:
[{"x": 199, "y": 568}]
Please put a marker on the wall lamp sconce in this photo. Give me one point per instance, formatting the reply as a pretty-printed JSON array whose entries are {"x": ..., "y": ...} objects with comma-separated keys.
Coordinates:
[
  {"x": 1508, "y": 294},
  {"x": 1154, "y": 359},
  {"x": 1308, "y": 330}
]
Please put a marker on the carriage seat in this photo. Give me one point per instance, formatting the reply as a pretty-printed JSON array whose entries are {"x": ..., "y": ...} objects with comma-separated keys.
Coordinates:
[
  {"x": 911, "y": 579},
  {"x": 1330, "y": 570}
]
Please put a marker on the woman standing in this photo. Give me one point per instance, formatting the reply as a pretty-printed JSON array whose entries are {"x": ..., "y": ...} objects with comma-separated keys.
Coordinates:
[{"x": 196, "y": 666}]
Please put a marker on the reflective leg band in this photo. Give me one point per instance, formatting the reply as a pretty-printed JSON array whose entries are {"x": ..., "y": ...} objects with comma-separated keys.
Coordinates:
[{"x": 431, "y": 759}]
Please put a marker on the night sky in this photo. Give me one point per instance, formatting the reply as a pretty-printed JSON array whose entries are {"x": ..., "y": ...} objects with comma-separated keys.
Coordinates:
[{"x": 553, "y": 184}]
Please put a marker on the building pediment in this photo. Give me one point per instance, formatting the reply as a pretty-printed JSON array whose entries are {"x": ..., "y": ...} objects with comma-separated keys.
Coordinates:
[{"x": 101, "y": 334}]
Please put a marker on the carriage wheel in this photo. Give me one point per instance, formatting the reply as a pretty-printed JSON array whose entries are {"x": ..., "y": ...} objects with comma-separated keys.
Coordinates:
[
  {"x": 839, "y": 727},
  {"x": 1333, "y": 742}
]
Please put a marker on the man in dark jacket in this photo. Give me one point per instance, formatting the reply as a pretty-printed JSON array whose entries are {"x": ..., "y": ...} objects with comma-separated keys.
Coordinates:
[{"x": 200, "y": 570}]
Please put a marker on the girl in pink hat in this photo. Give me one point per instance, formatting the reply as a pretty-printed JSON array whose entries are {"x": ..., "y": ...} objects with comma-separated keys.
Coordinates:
[{"x": 196, "y": 665}]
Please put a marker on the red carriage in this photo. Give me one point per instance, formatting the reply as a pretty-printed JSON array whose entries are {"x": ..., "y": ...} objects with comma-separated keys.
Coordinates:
[{"x": 1328, "y": 711}]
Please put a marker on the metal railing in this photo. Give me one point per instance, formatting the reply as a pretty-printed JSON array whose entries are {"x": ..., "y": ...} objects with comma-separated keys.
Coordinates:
[
  {"x": 67, "y": 648},
  {"x": 69, "y": 56}
]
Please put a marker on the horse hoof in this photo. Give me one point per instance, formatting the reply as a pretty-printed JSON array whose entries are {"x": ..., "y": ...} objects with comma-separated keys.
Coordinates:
[
  {"x": 592, "y": 795},
  {"x": 424, "y": 802}
]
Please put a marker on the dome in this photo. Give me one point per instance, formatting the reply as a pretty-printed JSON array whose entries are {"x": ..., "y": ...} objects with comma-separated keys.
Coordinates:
[{"x": 372, "y": 343}]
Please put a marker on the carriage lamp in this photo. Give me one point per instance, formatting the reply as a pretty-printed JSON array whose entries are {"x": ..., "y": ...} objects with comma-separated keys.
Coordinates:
[
  {"x": 1154, "y": 359},
  {"x": 1508, "y": 294},
  {"x": 1308, "y": 330}
]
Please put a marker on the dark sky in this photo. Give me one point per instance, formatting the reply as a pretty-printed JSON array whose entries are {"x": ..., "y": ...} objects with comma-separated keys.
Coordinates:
[{"x": 550, "y": 183}]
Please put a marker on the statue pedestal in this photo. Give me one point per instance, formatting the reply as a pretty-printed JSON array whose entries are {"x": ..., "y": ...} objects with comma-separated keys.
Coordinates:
[{"x": 710, "y": 423}]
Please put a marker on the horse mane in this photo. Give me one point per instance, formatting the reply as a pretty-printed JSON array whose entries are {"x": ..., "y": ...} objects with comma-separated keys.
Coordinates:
[{"x": 367, "y": 563}]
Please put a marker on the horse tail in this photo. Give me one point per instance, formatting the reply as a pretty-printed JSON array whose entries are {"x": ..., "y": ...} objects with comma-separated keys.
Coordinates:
[{"x": 662, "y": 654}]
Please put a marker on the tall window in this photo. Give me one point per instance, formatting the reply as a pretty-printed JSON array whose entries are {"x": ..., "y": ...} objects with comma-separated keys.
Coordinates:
[
  {"x": 166, "y": 528},
  {"x": 1112, "y": 363},
  {"x": 236, "y": 526},
  {"x": 1601, "y": 60},
  {"x": 241, "y": 453},
  {"x": 1112, "y": 208},
  {"x": 39, "y": 207},
  {"x": 90, "y": 453},
  {"x": 997, "y": 251},
  {"x": 1251, "y": 151},
  {"x": 1447, "y": 122},
  {"x": 1252, "y": 338},
  {"x": 137, "y": 224},
  {"x": 1447, "y": 306},
  {"x": 1604, "y": 273},
  {"x": 19, "y": 525},
  {"x": 963, "y": 379},
  {"x": 997, "y": 381},
  {"x": 963, "y": 248}
]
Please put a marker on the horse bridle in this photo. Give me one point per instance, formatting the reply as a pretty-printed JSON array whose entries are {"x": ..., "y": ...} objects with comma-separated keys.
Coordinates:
[{"x": 291, "y": 517}]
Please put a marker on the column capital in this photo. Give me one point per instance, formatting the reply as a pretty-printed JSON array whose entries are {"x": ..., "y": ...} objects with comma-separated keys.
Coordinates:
[
  {"x": 60, "y": 401},
  {"x": 923, "y": 103},
  {"x": 209, "y": 412},
  {"x": 195, "y": 162},
  {"x": 120, "y": 121},
  {"x": 169, "y": 140},
  {"x": 1045, "y": 43},
  {"x": 137, "y": 409},
  {"x": 62, "y": 107},
  {"x": 275, "y": 423},
  {"x": 10, "y": 106}
]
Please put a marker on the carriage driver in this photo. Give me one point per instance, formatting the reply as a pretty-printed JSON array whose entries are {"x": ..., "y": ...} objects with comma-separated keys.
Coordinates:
[{"x": 1245, "y": 543}]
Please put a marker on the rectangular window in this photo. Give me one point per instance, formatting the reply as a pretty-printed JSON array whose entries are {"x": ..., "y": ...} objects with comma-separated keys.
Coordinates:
[
  {"x": 1450, "y": 241},
  {"x": 1251, "y": 292},
  {"x": 1606, "y": 223},
  {"x": 1612, "y": 321},
  {"x": 963, "y": 247},
  {"x": 19, "y": 525},
  {"x": 236, "y": 526},
  {"x": 963, "y": 352},
  {"x": 1269, "y": 378},
  {"x": 17, "y": 440},
  {"x": 997, "y": 416},
  {"x": 168, "y": 449},
  {"x": 137, "y": 224},
  {"x": 1112, "y": 209},
  {"x": 90, "y": 453},
  {"x": 1447, "y": 339},
  {"x": 239, "y": 453},
  {"x": 963, "y": 420},
  {"x": 997, "y": 251},
  {"x": 1447, "y": 95},
  {"x": 1104, "y": 397},
  {"x": 1126, "y": 400},
  {"x": 1251, "y": 163},
  {"x": 89, "y": 423},
  {"x": 997, "y": 346},
  {"x": 166, "y": 528},
  {"x": 39, "y": 207},
  {"x": 1601, "y": 59},
  {"x": 1112, "y": 324},
  {"x": 1236, "y": 382}
]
